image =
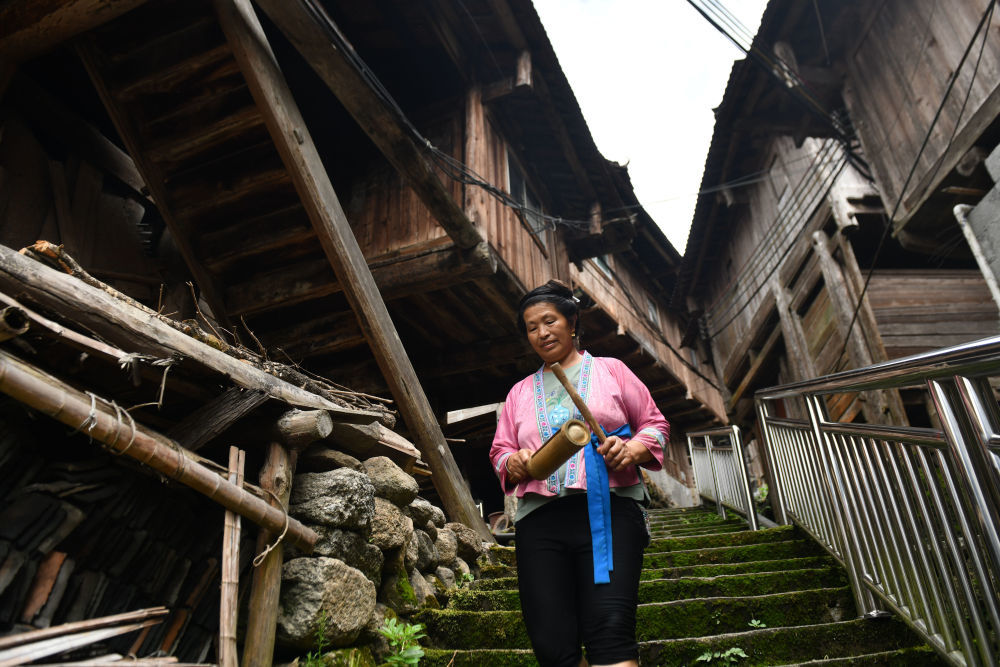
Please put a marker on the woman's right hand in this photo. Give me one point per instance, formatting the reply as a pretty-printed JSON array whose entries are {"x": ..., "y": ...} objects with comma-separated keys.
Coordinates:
[{"x": 517, "y": 465}]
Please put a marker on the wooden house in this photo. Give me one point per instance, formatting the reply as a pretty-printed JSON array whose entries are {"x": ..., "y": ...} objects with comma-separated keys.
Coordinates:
[
  {"x": 841, "y": 147},
  {"x": 348, "y": 199}
]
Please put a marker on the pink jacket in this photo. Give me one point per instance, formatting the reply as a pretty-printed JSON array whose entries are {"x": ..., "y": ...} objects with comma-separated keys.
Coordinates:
[{"x": 612, "y": 392}]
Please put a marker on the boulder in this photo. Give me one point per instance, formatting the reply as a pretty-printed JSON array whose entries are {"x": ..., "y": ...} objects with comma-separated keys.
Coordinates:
[
  {"x": 411, "y": 553},
  {"x": 427, "y": 556},
  {"x": 396, "y": 591},
  {"x": 446, "y": 576},
  {"x": 420, "y": 510},
  {"x": 390, "y": 481},
  {"x": 312, "y": 587},
  {"x": 460, "y": 567},
  {"x": 423, "y": 591},
  {"x": 339, "y": 498},
  {"x": 390, "y": 529},
  {"x": 447, "y": 545},
  {"x": 351, "y": 548},
  {"x": 370, "y": 634},
  {"x": 430, "y": 529},
  {"x": 440, "y": 590},
  {"x": 320, "y": 457},
  {"x": 470, "y": 545}
]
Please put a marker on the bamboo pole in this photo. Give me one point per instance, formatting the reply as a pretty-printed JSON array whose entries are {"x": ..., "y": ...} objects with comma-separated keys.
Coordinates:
[
  {"x": 113, "y": 426},
  {"x": 228, "y": 605},
  {"x": 13, "y": 322}
]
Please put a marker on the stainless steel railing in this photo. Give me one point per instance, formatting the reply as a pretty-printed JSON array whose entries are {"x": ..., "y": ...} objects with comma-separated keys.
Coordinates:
[
  {"x": 720, "y": 470},
  {"x": 912, "y": 513}
]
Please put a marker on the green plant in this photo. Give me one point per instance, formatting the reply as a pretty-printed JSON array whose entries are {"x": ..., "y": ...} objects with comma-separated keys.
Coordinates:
[
  {"x": 760, "y": 495},
  {"x": 728, "y": 657},
  {"x": 466, "y": 579},
  {"x": 314, "y": 658},
  {"x": 403, "y": 639},
  {"x": 756, "y": 623}
]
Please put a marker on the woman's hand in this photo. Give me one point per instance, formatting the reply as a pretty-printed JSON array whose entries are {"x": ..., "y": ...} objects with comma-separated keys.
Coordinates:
[
  {"x": 517, "y": 465},
  {"x": 619, "y": 454}
]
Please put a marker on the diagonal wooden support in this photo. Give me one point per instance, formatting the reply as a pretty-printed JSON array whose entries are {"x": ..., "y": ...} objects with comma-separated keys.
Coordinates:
[{"x": 298, "y": 152}]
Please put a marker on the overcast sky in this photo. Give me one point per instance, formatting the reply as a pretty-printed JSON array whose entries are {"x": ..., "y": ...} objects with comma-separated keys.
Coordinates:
[{"x": 647, "y": 74}]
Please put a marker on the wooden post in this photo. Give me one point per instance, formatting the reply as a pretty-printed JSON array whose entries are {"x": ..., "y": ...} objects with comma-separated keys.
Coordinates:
[
  {"x": 294, "y": 430},
  {"x": 291, "y": 137},
  {"x": 791, "y": 330},
  {"x": 110, "y": 425},
  {"x": 229, "y": 598}
]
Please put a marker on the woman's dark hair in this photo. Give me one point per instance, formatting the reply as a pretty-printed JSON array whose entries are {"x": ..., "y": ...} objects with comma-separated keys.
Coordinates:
[{"x": 559, "y": 295}]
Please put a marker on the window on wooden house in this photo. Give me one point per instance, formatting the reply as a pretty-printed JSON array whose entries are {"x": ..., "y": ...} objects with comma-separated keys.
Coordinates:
[
  {"x": 531, "y": 209},
  {"x": 652, "y": 312},
  {"x": 603, "y": 262},
  {"x": 779, "y": 179}
]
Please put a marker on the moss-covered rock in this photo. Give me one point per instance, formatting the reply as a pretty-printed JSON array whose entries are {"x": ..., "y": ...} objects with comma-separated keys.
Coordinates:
[
  {"x": 740, "y": 585},
  {"x": 736, "y": 554},
  {"x": 449, "y": 628},
  {"x": 478, "y": 658},
  {"x": 780, "y": 534},
  {"x": 715, "y": 569}
]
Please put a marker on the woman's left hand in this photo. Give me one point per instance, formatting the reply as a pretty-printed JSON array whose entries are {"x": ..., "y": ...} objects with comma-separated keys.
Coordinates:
[{"x": 619, "y": 454}]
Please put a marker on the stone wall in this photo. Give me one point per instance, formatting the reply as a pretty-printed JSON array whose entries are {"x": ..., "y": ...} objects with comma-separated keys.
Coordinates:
[{"x": 382, "y": 551}]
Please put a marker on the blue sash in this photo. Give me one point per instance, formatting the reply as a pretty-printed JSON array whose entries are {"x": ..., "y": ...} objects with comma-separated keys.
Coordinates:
[{"x": 599, "y": 507}]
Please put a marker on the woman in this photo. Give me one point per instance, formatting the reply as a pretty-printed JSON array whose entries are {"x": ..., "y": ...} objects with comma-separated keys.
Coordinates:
[{"x": 563, "y": 543}]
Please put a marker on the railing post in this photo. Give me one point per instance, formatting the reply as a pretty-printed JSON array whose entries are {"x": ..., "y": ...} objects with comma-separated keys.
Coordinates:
[
  {"x": 694, "y": 466},
  {"x": 737, "y": 441},
  {"x": 715, "y": 477},
  {"x": 835, "y": 484},
  {"x": 776, "y": 491}
]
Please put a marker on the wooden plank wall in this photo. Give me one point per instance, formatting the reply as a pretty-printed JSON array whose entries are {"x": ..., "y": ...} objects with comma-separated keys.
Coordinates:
[
  {"x": 897, "y": 76},
  {"x": 486, "y": 154},
  {"x": 612, "y": 296},
  {"x": 386, "y": 215},
  {"x": 68, "y": 201},
  {"x": 761, "y": 231},
  {"x": 825, "y": 342},
  {"x": 921, "y": 310}
]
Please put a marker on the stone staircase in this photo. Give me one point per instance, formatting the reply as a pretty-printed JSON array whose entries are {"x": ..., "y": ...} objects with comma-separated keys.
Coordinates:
[{"x": 711, "y": 592}]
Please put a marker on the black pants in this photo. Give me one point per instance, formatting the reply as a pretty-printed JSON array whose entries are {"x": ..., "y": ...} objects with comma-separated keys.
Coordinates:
[{"x": 563, "y": 607}]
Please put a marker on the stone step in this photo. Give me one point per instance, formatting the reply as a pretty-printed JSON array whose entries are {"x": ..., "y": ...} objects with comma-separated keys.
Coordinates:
[
  {"x": 687, "y": 543},
  {"x": 708, "y": 529},
  {"x": 676, "y": 522},
  {"x": 735, "y": 554},
  {"x": 789, "y": 645},
  {"x": 498, "y": 555},
  {"x": 497, "y": 571},
  {"x": 912, "y": 656},
  {"x": 664, "y": 590},
  {"x": 715, "y": 569},
  {"x": 460, "y": 629}
]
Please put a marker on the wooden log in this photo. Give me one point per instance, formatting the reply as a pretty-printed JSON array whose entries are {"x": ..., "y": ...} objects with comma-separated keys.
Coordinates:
[
  {"x": 367, "y": 440},
  {"x": 108, "y": 424},
  {"x": 33, "y": 636},
  {"x": 213, "y": 418},
  {"x": 301, "y": 158},
  {"x": 258, "y": 649},
  {"x": 30, "y": 652},
  {"x": 31, "y": 27},
  {"x": 228, "y": 605},
  {"x": 299, "y": 428},
  {"x": 139, "y": 331}
]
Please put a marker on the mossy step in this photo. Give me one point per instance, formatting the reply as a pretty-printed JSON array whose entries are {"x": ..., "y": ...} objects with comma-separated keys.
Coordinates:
[
  {"x": 461, "y": 629},
  {"x": 688, "y": 543},
  {"x": 498, "y": 584},
  {"x": 478, "y": 658},
  {"x": 466, "y": 630},
  {"x": 689, "y": 521},
  {"x": 786, "y": 645},
  {"x": 659, "y": 533},
  {"x": 736, "y": 554},
  {"x": 914, "y": 656},
  {"x": 733, "y": 585},
  {"x": 498, "y": 555},
  {"x": 715, "y": 569},
  {"x": 712, "y": 616},
  {"x": 665, "y": 590},
  {"x": 497, "y": 571}
]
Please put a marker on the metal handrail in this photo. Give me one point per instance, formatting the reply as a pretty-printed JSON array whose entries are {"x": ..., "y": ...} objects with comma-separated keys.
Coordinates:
[
  {"x": 912, "y": 513},
  {"x": 721, "y": 473}
]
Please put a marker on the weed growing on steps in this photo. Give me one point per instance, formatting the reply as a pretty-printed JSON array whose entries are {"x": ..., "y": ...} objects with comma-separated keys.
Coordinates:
[
  {"x": 403, "y": 638},
  {"x": 757, "y": 623},
  {"x": 730, "y": 656}
]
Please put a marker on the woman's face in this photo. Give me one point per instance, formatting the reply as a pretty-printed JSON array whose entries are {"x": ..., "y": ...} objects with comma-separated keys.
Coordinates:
[{"x": 549, "y": 332}]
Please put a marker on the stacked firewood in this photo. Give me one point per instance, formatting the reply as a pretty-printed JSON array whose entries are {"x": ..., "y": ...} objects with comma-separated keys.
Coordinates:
[{"x": 82, "y": 537}]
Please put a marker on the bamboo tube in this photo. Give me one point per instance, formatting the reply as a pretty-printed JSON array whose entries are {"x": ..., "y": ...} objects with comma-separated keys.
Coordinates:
[
  {"x": 112, "y": 426},
  {"x": 228, "y": 606},
  {"x": 33, "y": 636},
  {"x": 566, "y": 442},
  {"x": 578, "y": 402},
  {"x": 13, "y": 322}
]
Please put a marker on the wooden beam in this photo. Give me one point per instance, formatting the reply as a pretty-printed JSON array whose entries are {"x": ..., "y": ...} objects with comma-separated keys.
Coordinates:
[
  {"x": 520, "y": 81},
  {"x": 289, "y": 132},
  {"x": 796, "y": 346},
  {"x": 382, "y": 124},
  {"x": 104, "y": 422},
  {"x": 30, "y": 27},
  {"x": 135, "y": 330},
  {"x": 311, "y": 279},
  {"x": 213, "y": 418},
  {"x": 323, "y": 335},
  {"x": 755, "y": 367}
]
